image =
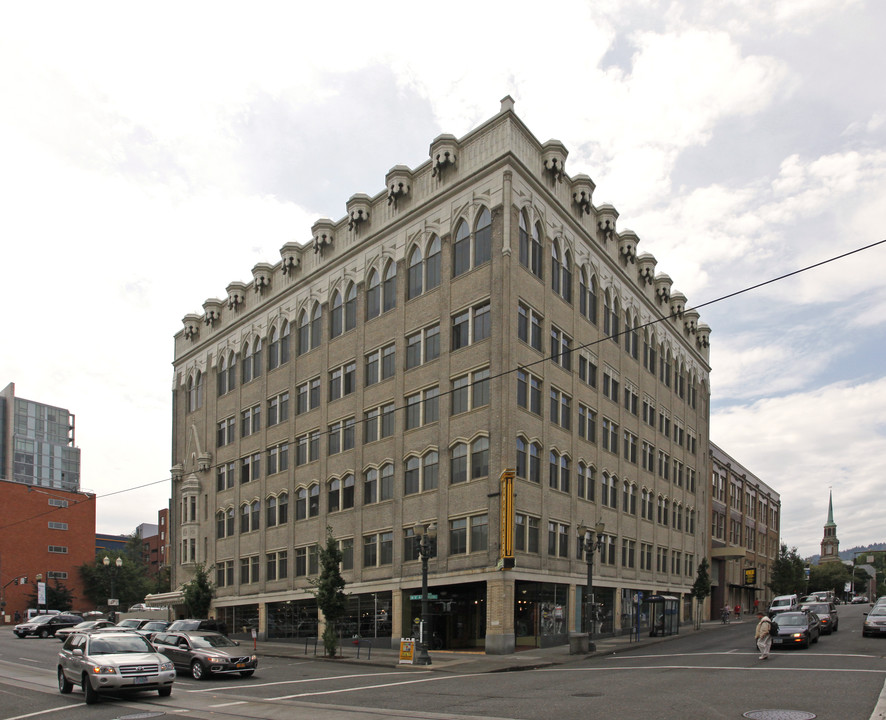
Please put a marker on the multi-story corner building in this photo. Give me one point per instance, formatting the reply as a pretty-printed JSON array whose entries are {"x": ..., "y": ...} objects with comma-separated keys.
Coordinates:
[
  {"x": 51, "y": 531},
  {"x": 479, "y": 315},
  {"x": 745, "y": 535}
]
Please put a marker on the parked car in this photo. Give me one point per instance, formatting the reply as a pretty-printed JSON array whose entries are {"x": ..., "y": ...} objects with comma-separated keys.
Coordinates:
[
  {"x": 194, "y": 624},
  {"x": 796, "y": 628},
  {"x": 152, "y": 628},
  {"x": 133, "y": 623},
  {"x": 205, "y": 653},
  {"x": 86, "y": 625},
  {"x": 827, "y": 614},
  {"x": 859, "y": 599},
  {"x": 112, "y": 662},
  {"x": 783, "y": 603},
  {"x": 875, "y": 621},
  {"x": 46, "y": 625}
]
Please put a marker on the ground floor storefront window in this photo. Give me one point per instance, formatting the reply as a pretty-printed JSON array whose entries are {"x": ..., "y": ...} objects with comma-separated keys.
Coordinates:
[
  {"x": 367, "y": 616},
  {"x": 292, "y": 620},
  {"x": 540, "y": 614},
  {"x": 239, "y": 619}
]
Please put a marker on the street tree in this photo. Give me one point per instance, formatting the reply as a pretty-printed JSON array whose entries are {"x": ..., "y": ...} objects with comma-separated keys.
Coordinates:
[
  {"x": 198, "y": 592},
  {"x": 329, "y": 590},
  {"x": 829, "y": 576},
  {"x": 130, "y": 582},
  {"x": 788, "y": 573},
  {"x": 701, "y": 588},
  {"x": 58, "y": 597}
]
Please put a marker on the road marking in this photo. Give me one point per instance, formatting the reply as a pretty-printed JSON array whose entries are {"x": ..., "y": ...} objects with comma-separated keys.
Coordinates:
[
  {"x": 221, "y": 705},
  {"x": 29, "y": 660},
  {"x": 377, "y": 687},
  {"x": 40, "y": 712},
  {"x": 305, "y": 680},
  {"x": 768, "y": 668},
  {"x": 737, "y": 652},
  {"x": 880, "y": 709}
]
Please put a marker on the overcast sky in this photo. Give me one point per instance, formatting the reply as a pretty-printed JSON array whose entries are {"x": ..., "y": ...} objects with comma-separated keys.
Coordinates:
[{"x": 152, "y": 153}]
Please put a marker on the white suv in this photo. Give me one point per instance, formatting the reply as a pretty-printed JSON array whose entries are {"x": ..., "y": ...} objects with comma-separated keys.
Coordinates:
[{"x": 783, "y": 603}]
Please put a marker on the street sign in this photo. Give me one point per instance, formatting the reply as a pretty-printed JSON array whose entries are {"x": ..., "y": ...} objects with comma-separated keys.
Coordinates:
[
  {"x": 431, "y": 596},
  {"x": 113, "y": 602}
]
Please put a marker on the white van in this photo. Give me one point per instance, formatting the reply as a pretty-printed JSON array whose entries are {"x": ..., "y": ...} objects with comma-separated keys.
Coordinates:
[
  {"x": 33, "y": 612},
  {"x": 783, "y": 603}
]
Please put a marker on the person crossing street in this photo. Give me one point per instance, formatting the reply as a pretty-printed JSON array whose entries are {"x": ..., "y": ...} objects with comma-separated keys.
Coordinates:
[{"x": 763, "y": 635}]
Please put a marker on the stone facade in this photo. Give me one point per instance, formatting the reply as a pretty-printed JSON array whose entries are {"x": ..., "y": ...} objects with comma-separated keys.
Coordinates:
[{"x": 538, "y": 341}]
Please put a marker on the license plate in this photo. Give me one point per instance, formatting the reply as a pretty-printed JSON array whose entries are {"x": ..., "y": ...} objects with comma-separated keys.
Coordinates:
[
  {"x": 140, "y": 680},
  {"x": 776, "y": 641},
  {"x": 241, "y": 665}
]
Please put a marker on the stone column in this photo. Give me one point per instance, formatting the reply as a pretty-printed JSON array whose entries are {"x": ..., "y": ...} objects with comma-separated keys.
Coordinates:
[{"x": 500, "y": 614}]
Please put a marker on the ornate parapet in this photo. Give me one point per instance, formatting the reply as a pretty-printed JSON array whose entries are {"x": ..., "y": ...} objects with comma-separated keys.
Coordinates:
[
  {"x": 703, "y": 336},
  {"x": 582, "y": 193},
  {"x": 647, "y": 263},
  {"x": 606, "y": 218},
  {"x": 177, "y": 472},
  {"x": 678, "y": 304},
  {"x": 398, "y": 182},
  {"x": 663, "y": 288},
  {"x": 444, "y": 154},
  {"x": 690, "y": 320},
  {"x": 204, "y": 462},
  {"x": 322, "y": 232},
  {"x": 553, "y": 157},
  {"x": 261, "y": 274},
  {"x": 191, "y": 323},
  {"x": 236, "y": 294},
  {"x": 358, "y": 210},
  {"x": 290, "y": 254},
  {"x": 627, "y": 245},
  {"x": 212, "y": 310}
]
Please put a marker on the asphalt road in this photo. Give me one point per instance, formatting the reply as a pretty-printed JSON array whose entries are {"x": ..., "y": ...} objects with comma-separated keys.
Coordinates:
[{"x": 708, "y": 675}]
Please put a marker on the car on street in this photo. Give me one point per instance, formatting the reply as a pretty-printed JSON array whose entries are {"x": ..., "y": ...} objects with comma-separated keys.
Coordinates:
[
  {"x": 827, "y": 615},
  {"x": 190, "y": 625},
  {"x": 86, "y": 625},
  {"x": 133, "y": 623},
  {"x": 875, "y": 621},
  {"x": 204, "y": 653},
  {"x": 112, "y": 662},
  {"x": 783, "y": 603},
  {"x": 46, "y": 625},
  {"x": 150, "y": 629},
  {"x": 796, "y": 628},
  {"x": 859, "y": 599}
]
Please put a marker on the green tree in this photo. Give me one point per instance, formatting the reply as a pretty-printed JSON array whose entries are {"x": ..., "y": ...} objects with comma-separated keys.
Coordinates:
[
  {"x": 829, "y": 576},
  {"x": 198, "y": 592},
  {"x": 130, "y": 582},
  {"x": 701, "y": 588},
  {"x": 788, "y": 573},
  {"x": 330, "y": 592},
  {"x": 58, "y": 596}
]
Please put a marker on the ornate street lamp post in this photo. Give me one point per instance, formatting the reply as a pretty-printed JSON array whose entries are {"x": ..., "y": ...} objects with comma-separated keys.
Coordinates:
[
  {"x": 592, "y": 542},
  {"x": 428, "y": 533},
  {"x": 113, "y": 570}
]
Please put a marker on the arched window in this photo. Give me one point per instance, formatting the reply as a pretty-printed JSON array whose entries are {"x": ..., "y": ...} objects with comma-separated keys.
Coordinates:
[
  {"x": 351, "y": 307},
  {"x": 370, "y": 486},
  {"x": 244, "y": 518},
  {"x": 283, "y": 508},
  {"x": 336, "y": 315},
  {"x": 386, "y": 486},
  {"x": 411, "y": 478},
  {"x": 255, "y": 513},
  {"x": 314, "y": 500},
  {"x": 631, "y": 335},
  {"x": 389, "y": 294},
  {"x": 195, "y": 391},
  {"x": 347, "y": 492},
  {"x": 271, "y": 512},
  {"x": 524, "y": 239},
  {"x": 588, "y": 300},
  {"x": 278, "y": 350},
  {"x": 333, "y": 496},
  {"x": 535, "y": 462},
  {"x": 432, "y": 266},
  {"x": 461, "y": 249},
  {"x": 535, "y": 251},
  {"x": 301, "y": 503},
  {"x": 521, "y": 457},
  {"x": 480, "y": 458},
  {"x": 227, "y": 373},
  {"x": 304, "y": 332},
  {"x": 566, "y": 284},
  {"x": 229, "y": 522},
  {"x": 415, "y": 274},
  {"x": 483, "y": 238},
  {"x": 220, "y": 524},
  {"x": 458, "y": 463},
  {"x": 649, "y": 350},
  {"x": 316, "y": 326},
  {"x": 556, "y": 267},
  {"x": 252, "y": 360},
  {"x": 373, "y": 295},
  {"x": 429, "y": 469}
]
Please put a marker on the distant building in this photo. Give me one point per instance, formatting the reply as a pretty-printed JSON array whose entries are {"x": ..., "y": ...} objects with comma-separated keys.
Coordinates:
[
  {"x": 745, "y": 534},
  {"x": 51, "y": 531},
  {"x": 830, "y": 545},
  {"x": 480, "y": 316}
]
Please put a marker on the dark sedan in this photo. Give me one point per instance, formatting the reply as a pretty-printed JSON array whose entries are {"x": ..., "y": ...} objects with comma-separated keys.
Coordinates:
[
  {"x": 46, "y": 625},
  {"x": 796, "y": 628},
  {"x": 205, "y": 653},
  {"x": 827, "y": 615}
]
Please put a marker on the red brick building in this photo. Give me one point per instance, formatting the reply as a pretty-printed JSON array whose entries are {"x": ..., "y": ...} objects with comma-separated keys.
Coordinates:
[{"x": 50, "y": 533}]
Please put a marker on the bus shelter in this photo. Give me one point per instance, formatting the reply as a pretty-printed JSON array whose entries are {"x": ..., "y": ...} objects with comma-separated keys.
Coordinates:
[{"x": 664, "y": 614}]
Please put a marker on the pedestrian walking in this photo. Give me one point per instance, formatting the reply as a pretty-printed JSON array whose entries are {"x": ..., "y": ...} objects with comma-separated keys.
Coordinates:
[
  {"x": 738, "y": 612},
  {"x": 763, "y": 635}
]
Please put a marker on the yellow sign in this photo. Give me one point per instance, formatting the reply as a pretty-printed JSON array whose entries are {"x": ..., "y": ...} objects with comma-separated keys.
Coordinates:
[
  {"x": 507, "y": 518},
  {"x": 407, "y": 651},
  {"x": 750, "y": 576}
]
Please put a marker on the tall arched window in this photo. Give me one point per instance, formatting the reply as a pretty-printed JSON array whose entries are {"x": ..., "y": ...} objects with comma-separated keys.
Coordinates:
[
  {"x": 480, "y": 458},
  {"x": 278, "y": 349},
  {"x": 415, "y": 274},
  {"x": 314, "y": 500},
  {"x": 351, "y": 307},
  {"x": 535, "y": 462},
  {"x": 373, "y": 295},
  {"x": 631, "y": 335},
  {"x": 524, "y": 239},
  {"x": 336, "y": 315},
  {"x": 389, "y": 294},
  {"x": 271, "y": 512},
  {"x": 252, "y": 360},
  {"x": 535, "y": 251},
  {"x": 556, "y": 267},
  {"x": 304, "y": 332},
  {"x": 195, "y": 391},
  {"x": 227, "y": 373},
  {"x": 461, "y": 249},
  {"x": 316, "y": 326},
  {"x": 301, "y": 503},
  {"x": 432, "y": 266},
  {"x": 566, "y": 284},
  {"x": 521, "y": 457},
  {"x": 458, "y": 463},
  {"x": 483, "y": 238},
  {"x": 333, "y": 496}
]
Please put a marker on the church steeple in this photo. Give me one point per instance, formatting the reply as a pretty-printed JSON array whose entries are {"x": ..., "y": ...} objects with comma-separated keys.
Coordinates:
[{"x": 830, "y": 545}]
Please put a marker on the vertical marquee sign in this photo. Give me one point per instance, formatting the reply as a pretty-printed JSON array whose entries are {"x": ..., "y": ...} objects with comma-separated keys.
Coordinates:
[{"x": 507, "y": 519}]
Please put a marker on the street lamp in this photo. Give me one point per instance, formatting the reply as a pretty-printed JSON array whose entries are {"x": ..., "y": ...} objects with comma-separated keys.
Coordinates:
[
  {"x": 113, "y": 570},
  {"x": 428, "y": 533},
  {"x": 593, "y": 540}
]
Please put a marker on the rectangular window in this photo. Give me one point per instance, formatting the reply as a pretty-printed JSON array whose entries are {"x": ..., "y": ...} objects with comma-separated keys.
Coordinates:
[
  {"x": 250, "y": 421},
  {"x": 308, "y": 396},
  {"x": 278, "y": 409},
  {"x": 458, "y": 536},
  {"x": 610, "y": 387},
  {"x": 587, "y": 423},
  {"x": 587, "y": 370},
  {"x": 58, "y": 526},
  {"x": 561, "y": 348},
  {"x": 561, "y": 409},
  {"x": 609, "y": 435},
  {"x": 226, "y": 432},
  {"x": 470, "y": 391},
  {"x": 631, "y": 399},
  {"x": 471, "y": 326},
  {"x": 250, "y": 468},
  {"x": 60, "y": 549}
]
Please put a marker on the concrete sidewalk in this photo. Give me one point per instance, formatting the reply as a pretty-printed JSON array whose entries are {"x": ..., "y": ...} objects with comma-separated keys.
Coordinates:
[{"x": 469, "y": 662}]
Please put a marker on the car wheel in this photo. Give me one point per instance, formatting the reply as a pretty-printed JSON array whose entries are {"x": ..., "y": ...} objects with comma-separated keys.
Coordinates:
[
  {"x": 198, "y": 671},
  {"x": 64, "y": 685},
  {"x": 21, "y": 635},
  {"x": 44, "y": 633},
  {"x": 246, "y": 673},
  {"x": 90, "y": 692},
  {"x": 836, "y": 627},
  {"x": 165, "y": 691}
]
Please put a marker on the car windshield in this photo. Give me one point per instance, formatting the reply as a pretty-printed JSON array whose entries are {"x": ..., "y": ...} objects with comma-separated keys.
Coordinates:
[
  {"x": 42, "y": 619},
  {"x": 821, "y": 609},
  {"x": 778, "y": 603},
  {"x": 792, "y": 620},
  {"x": 206, "y": 641},
  {"x": 129, "y": 623},
  {"x": 155, "y": 626},
  {"x": 881, "y": 610},
  {"x": 109, "y": 645}
]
